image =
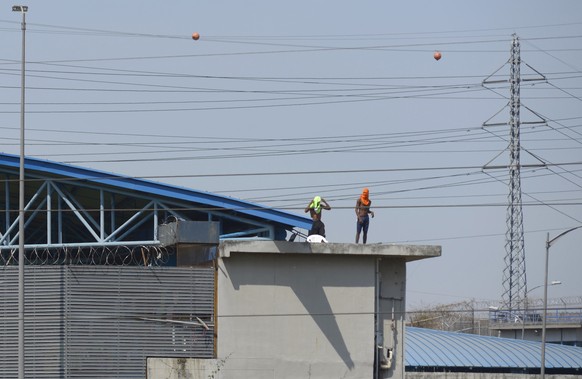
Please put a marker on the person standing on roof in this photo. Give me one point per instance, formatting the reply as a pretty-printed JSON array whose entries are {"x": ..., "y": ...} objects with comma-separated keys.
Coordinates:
[
  {"x": 315, "y": 207},
  {"x": 363, "y": 205}
]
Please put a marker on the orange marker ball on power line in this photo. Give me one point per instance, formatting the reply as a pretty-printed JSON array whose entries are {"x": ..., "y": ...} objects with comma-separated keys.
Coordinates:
[
  {"x": 437, "y": 55},
  {"x": 195, "y": 36}
]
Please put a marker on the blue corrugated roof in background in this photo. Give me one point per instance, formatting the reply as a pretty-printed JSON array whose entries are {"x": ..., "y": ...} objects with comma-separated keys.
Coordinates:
[
  {"x": 157, "y": 189},
  {"x": 436, "y": 348}
]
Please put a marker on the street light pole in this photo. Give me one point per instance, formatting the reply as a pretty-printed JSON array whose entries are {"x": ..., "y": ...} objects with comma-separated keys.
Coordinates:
[
  {"x": 549, "y": 243},
  {"x": 21, "y": 256}
]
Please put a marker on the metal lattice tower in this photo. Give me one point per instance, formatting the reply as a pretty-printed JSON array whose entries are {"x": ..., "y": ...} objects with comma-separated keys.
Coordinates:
[{"x": 514, "y": 274}]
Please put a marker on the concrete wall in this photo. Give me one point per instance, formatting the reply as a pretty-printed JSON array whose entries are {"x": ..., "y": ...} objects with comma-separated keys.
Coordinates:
[
  {"x": 567, "y": 334},
  {"x": 182, "y": 368},
  {"x": 296, "y": 316},
  {"x": 392, "y": 314},
  {"x": 468, "y": 375}
]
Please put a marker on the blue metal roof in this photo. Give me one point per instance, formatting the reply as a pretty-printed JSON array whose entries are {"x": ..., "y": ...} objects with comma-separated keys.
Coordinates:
[
  {"x": 435, "y": 348},
  {"x": 157, "y": 189}
]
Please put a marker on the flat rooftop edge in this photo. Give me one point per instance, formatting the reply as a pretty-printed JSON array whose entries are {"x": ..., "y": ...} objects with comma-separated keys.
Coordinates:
[{"x": 407, "y": 252}]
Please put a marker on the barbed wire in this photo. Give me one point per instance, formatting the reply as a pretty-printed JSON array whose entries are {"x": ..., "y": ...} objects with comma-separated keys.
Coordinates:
[{"x": 145, "y": 255}]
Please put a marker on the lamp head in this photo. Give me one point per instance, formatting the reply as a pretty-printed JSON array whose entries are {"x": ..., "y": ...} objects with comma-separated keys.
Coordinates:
[{"x": 20, "y": 8}]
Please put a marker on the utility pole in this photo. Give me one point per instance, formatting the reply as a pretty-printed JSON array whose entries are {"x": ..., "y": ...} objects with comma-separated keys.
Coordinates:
[{"x": 21, "y": 253}]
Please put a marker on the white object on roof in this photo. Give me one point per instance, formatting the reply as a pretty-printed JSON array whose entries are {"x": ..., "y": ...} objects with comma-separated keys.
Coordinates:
[{"x": 316, "y": 238}]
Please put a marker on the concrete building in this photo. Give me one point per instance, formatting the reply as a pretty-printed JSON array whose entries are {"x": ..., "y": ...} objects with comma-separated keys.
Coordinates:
[
  {"x": 563, "y": 322},
  {"x": 127, "y": 278},
  {"x": 300, "y": 310}
]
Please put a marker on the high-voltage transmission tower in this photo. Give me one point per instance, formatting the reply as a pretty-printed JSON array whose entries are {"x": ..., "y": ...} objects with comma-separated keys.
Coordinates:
[{"x": 514, "y": 274}]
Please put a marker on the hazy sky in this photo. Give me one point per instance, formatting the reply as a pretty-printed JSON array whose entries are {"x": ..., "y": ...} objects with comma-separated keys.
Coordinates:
[{"x": 328, "y": 98}]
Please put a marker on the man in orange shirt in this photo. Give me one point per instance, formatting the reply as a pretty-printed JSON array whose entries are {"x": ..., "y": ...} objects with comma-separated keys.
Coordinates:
[{"x": 363, "y": 205}]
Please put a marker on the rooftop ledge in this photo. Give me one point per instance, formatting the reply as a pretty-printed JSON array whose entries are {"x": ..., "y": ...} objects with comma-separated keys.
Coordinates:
[{"x": 407, "y": 252}]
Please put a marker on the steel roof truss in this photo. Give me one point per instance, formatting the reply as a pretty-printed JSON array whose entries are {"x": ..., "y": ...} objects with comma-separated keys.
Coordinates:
[
  {"x": 81, "y": 214},
  {"x": 128, "y": 222},
  {"x": 247, "y": 233},
  {"x": 14, "y": 225},
  {"x": 102, "y": 229}
]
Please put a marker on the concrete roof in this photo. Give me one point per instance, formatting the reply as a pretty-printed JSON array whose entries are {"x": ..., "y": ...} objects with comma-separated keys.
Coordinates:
[{"x": 407, "y": 252}]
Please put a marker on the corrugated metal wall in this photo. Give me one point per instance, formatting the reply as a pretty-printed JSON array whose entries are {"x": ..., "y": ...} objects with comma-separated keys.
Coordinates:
[{"x": 104, "y": 321}]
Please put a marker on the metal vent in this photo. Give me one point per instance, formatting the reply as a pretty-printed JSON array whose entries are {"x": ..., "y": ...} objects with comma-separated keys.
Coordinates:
[{"x": 98, "y": 322}]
